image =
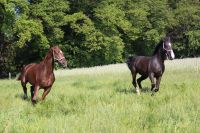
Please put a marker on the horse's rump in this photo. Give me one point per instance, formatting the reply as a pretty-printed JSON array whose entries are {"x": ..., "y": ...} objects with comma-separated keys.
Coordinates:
[
  {"x": 25, "y": 70},
  {"x": 138, "y": 60},
  {"x": 139, "y": 64},
  {"x": 129, "y": 62}
]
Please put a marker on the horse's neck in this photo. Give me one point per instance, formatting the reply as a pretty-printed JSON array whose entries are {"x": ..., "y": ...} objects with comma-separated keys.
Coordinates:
[
  {"x": 159, "y": 56},
  {"x": 48, "y": 63}
]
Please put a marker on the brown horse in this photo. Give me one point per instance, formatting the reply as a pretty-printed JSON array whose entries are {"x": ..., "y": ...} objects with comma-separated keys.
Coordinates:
[
  {"x": 41, "y": 75},
  {"x": 152, "y": 67}
]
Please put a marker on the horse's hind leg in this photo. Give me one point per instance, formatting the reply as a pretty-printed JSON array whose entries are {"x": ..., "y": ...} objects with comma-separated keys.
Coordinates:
[
  {"x": 32, "y": 91},
  {"x": 24, "y": 89},
  {"x": 134, "y": 81},
  {"x": 139, "y": 80}
]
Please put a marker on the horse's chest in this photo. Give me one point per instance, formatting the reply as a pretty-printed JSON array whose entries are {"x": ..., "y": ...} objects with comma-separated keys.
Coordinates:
[
  {"x": 159, "y": 71},
  {"x": 48, "y": 82}
]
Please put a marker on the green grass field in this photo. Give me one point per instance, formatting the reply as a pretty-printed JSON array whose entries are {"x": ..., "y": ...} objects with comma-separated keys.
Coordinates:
[{"x": 102, "y": 99}]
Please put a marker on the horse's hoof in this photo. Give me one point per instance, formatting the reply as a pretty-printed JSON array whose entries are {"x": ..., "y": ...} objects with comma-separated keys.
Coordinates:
[
  {"x": 138, "y": 93},
  {"x": 25, "y": 97},
  {"x": 34, "y": 102},
  {"x": 153, "y": 93},
  {"x": 156, "y": 90}
]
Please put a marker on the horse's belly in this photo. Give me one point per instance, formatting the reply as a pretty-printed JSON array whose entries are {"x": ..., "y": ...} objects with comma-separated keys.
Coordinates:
[
  {"x": 143, "y": 71},
  {"x": 30, "y": 77},
  {"x": 142, "y": 66}
]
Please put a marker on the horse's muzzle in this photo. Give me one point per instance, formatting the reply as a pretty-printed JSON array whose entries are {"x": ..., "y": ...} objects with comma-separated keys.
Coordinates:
[
  {"x": 170, "y": 55},
  {"x": 63, "y": 62}
]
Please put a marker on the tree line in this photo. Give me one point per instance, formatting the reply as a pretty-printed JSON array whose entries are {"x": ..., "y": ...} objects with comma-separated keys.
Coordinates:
[{"x": 94, "y": 32}]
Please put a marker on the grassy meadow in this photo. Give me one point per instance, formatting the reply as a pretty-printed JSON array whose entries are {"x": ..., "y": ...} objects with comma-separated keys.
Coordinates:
[{"x": 102, "y": 99}]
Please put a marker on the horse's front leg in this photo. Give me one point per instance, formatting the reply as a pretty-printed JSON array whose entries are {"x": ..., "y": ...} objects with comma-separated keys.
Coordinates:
[
  {"x": 36, "y": 89},
  {"x": 151, "y": 77},
  {"x": 46, "y": 91},
  {"x": 158, "y": 83}
]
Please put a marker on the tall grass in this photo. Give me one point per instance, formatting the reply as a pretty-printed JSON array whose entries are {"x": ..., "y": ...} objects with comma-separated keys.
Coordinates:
[{"x": 102, "y": 99}]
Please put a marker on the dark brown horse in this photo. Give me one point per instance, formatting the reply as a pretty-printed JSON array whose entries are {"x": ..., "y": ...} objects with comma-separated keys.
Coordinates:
[
  {"x": 41, "y": 75},
  {"x": 152, "y": 67}
]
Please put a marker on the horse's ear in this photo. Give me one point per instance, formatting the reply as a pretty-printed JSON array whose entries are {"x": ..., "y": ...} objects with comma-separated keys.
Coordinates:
[
  {"x": 52, "y": 51},
  {"x": 169, "y": 38},
  {"x": 52, "y": 48},
  {"x": 163, "y": 39}
]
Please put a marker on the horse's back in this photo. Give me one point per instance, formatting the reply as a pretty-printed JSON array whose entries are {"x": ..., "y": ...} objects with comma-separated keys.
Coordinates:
[{"x": 133, "y": 60}]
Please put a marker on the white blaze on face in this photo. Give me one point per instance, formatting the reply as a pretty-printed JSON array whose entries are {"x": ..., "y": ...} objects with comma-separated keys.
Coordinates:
[{"x": 172, "y": 52}]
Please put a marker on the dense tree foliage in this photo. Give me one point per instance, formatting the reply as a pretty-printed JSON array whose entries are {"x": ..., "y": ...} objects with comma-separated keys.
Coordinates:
[{"x": 94, "y": 32}]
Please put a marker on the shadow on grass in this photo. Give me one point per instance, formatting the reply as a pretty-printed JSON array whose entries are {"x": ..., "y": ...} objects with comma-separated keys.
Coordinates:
[
  {"x": 94, "y": 87},
  {"x": 21, "y": 96},
  {"x": 131, "y": 90}
]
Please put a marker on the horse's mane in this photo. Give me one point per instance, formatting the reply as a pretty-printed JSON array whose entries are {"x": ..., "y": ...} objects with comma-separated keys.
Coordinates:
[
  {"x": 48, "y": 54},
  {"x": 158, "y": 47}
]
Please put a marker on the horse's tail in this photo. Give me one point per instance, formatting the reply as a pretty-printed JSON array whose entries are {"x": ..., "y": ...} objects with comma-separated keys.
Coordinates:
[
  {"x": 130, "y": 61},
  {"x": 20, "y": 75}
]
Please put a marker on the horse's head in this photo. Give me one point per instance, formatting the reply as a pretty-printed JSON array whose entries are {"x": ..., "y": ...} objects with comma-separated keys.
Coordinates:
[
  {"x": 167, "y": 48},
  {"x": 59, "y": 56}
]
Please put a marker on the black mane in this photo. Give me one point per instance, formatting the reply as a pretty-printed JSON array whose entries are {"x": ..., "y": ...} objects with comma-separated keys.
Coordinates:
[{"x": 158, "y": 47}]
